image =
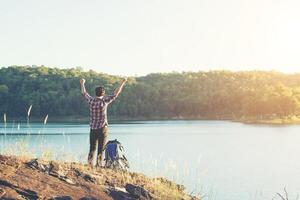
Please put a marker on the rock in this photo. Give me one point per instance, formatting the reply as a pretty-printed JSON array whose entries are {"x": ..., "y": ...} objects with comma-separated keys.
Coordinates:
[
  {"x": 2, "y": 192},
  {"x": 33, "y": 164},
  {"x": 61, "y": 198},
  {"x": 67, "y": 180},
  {"x": 76, "y": 172},
  {"x": 88, "y": 178},
  {"x": 138, "y": 192},
  {"x": 54, "y": 167},
  {"x": 88, "y": 198},
  {"x": 120, "y": 193},
  {"x": 43, "y": 168}
]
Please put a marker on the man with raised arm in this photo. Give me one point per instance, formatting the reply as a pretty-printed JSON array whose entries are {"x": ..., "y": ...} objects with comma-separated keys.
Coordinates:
[{"x": 98, "y": 118}]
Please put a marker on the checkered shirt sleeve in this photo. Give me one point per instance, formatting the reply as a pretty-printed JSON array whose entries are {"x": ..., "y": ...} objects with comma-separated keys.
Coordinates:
[
  {"x": 110, "y": 98},
  {"x": 87, "y": 97}
]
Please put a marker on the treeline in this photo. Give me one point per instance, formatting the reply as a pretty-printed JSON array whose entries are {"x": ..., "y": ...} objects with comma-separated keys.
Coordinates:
[{"x": 198, "y": 95}]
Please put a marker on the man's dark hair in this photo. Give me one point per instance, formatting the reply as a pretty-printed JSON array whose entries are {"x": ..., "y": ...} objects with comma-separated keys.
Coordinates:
[{"x": 99, "y": 91}]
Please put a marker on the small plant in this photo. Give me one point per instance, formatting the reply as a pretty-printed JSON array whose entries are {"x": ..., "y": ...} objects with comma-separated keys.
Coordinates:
[
  {"x": 28, "y": 113},
  {"x": 45, "y": 120},
  {"x": 47, "y": 154},
  {"x": 4, "y": 120},
  {"x": 285, "y": 196}
]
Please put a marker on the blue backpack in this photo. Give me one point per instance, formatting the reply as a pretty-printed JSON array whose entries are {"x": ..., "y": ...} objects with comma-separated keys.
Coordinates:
[{"x": 114, "y": 156}]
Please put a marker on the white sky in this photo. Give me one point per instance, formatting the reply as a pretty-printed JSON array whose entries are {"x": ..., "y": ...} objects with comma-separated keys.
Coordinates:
[{"x": 136, "y": 37}]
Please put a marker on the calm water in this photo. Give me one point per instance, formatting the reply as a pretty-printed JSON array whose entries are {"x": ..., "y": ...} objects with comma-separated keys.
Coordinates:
[{"x": 222, "y": 160}]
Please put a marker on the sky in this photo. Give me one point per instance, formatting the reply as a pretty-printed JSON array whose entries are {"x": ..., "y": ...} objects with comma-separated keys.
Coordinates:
[{"x": 138, "y": 37}]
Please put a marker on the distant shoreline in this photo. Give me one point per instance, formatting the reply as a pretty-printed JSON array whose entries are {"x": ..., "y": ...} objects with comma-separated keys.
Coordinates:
[
  {"x": 79, "y": 119},
  {"x": 275, "y": 121}
]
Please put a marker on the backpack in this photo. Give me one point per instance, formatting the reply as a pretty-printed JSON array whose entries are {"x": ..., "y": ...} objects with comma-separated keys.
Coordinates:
[{"x": 114, "y": 156}]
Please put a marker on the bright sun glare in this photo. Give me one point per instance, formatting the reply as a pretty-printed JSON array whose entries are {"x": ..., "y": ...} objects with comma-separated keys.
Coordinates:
[{"x": 141, "y": 37}]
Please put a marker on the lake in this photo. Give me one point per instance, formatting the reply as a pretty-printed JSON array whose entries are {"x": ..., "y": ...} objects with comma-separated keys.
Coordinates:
[{"x": 222, "y": 160}]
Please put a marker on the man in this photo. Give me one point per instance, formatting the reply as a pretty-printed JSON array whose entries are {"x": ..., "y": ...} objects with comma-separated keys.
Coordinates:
[{"x": 98, "y": 118}]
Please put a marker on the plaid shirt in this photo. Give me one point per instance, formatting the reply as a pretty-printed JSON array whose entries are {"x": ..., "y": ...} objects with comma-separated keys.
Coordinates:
[{"x": 98, "y": 109}]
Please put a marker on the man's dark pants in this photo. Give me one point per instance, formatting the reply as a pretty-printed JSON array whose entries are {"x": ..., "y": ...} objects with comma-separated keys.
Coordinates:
[{"x": 97, "y": 136}]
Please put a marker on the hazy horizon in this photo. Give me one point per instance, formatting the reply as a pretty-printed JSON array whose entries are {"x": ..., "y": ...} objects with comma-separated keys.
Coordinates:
[
  {"x": 137, "y": 75},
  {"x": 141, "y": 37}
]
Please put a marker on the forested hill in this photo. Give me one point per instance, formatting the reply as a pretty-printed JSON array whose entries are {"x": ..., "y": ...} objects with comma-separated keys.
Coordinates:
[{"x": 204, "y": 95}]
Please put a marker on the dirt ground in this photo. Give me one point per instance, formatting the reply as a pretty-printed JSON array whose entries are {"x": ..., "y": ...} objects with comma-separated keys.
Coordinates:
[{"x": 24, "y": 178}]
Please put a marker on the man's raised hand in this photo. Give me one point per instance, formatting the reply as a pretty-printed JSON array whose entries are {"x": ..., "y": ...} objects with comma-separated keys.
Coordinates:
[
  {"x": 82, "y": 81},
  {"x": 124, "y": 80},
  {"x": 82, "y": 86}
]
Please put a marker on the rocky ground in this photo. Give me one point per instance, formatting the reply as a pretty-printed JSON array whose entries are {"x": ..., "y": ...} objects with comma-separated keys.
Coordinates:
[{"x": 24, "y": 178}]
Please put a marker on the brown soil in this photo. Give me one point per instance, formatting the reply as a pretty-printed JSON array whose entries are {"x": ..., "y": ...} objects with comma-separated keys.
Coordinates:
[{"x": 23, "y": 178}]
